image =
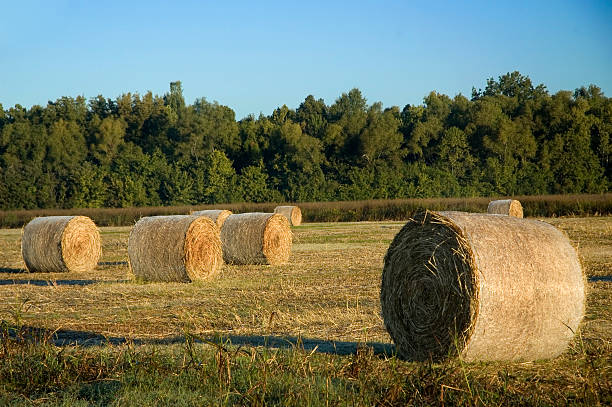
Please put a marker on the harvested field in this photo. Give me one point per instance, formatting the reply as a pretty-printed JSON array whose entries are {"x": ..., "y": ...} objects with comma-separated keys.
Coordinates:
[
  {"x": 329, "y": 289},
  {"x": 326, "y": 300}
]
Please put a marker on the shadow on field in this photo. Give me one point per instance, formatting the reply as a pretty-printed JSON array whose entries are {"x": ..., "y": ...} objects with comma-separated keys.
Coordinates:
[
  {"x": 66, "y": 337},
  {"x": 112, "y": 263},
  {"x": 595, "y": 279},
  {"x": 308, "y": 344},
  {"x": 55, "y": 283},
  {"x": 11, "y": 270},
  {"x": 60, "y": 337}
]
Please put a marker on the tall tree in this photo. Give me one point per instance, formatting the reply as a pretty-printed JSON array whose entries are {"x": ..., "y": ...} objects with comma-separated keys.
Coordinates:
[
  {"x": 311, "y": 115},
  {"x": 347, "y": 118}
]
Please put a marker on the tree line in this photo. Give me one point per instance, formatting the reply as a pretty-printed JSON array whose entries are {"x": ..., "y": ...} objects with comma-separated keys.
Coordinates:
[{"x": 510, "y": 138}]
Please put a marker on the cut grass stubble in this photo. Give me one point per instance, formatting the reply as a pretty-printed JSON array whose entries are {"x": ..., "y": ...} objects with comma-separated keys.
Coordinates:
[{"x": 324, "y": 300}]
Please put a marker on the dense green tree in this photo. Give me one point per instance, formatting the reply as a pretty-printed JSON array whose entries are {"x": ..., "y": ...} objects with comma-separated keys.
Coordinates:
[
  {"x": 295, "y": 168},
  {"x": 380, "y": 138},
  {"x": 175, "y": 99},
  {"x": 135, "y": 178},
  {"x": 205, "y": 127},
  {"x": 107, "y": 136},
  {"x": 312, "y": 117},
  {"x": 512, "y": 84},
  {"x": 178, "y": 186},
  {"x": 66, "y": 147},
  {"x": 218, "y": 179},
  {"x": 88, "y": 187},
  {"x": 347, "y": 118},
  {"x": 429, "y": 127},
  {"x": 253, "y": 185},
  {"x": 510, "y": 138},
  {"x": 254, "y": 141},
  {"x": 454, "y": 153}
]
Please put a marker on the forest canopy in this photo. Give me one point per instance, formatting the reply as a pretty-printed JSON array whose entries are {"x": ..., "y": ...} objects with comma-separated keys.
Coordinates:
[{"x": 510, "y": 138}]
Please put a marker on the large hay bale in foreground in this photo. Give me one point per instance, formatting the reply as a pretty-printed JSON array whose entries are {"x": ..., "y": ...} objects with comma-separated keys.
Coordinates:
[
  {"x": 256, "y": 238},
  {"x": 510, "y": 207},
  {"x": 179, "y": 248},
  {"x": 60, "y": 243},
  {"x": 292, "y": 213},
  {"x": 216, "y": 215},
  {"x": 482, "y": 287}
]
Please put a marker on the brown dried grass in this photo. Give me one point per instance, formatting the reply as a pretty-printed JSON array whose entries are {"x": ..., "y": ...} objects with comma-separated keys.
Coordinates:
[
  {"x": 179, "y": 248},
  {"x": 482, "y": 287},
  {"x": 216, "y": 215},
  {"x": 60, "y": 244},
  {"x": 510, "y": 207},
  {"x": 256, "y": 238},
  {"x": 292, "y": 213}
]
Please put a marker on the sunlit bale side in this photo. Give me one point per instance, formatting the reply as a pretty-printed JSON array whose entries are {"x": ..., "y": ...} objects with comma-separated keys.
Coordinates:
[
  {"x": 481, "y": 287},
  {"x": 60, "y": 244},
  {"x": 510, "y": 207},
  {"x": 180, "y": 248},
  {"x": 256, "y": 238},
  {"x": 292, "y": 213}
]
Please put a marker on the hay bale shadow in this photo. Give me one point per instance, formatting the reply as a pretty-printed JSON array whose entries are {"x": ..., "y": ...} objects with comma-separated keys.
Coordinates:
[
  {"x": 595, "y": 279},
  {"x": 55, "y": 283},
  {"x": 342, "y": 348},
  {"x": 67, "y": 337},
  {"x": 11, "y": 270}
]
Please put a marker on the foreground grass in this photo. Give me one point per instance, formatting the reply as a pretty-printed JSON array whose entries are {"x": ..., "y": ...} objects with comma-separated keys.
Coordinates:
[
  {"x": 217, "y": 373},
  {"x": 306, "y": 333}
]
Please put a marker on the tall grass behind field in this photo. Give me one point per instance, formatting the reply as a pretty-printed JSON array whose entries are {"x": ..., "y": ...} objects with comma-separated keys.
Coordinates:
[{"x": 344, "y": 211}]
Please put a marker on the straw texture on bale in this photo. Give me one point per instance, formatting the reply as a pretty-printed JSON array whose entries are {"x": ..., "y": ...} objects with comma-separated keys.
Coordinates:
[
  {"x": 256, "y": 238},
  {"x": 180, "y": 248},
  {"x": 481, "y": 287},
  {"x": 216, "y": 215},
  {"x": 292, "y": 213},
  {"x": 60, "y": 244},
  {"x": 510, "y": 207}
]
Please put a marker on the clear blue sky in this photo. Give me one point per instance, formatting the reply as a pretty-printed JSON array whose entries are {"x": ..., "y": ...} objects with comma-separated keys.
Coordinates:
[{"x": 256, "y": 56}]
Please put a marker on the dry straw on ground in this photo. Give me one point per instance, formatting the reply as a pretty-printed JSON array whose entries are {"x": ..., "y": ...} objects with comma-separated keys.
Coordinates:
[
  {"x": 60, "y": 243},
  {"x": 256, "y": 238},
  {"x": 292, "y": 213},
  {"x": 174, "y": 248},
  {"x": 482, "y": 287},
  {"x": 216, "y": 215},
  {"x": 510, "y": 207}
]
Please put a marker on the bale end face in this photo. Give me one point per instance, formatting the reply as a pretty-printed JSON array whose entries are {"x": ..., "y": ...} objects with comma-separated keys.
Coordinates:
[
  {"x": 277, "y": 240},
  {"x": 203, "y": 255},
  {"x": 428, "y": 293}
]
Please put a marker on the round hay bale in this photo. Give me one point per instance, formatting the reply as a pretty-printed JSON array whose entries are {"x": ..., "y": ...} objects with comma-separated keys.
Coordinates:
[
  {"x": 481, "y": 287},
  {"x": 256, "y": 238},
  {"x": 292, "y": 213},
  {"x": 510, "y": 207},
  {"x": 216, "y": 215},
  {"x": 60, "y": 243},
  {"x": 179, "y": 248}
]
